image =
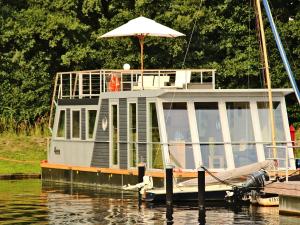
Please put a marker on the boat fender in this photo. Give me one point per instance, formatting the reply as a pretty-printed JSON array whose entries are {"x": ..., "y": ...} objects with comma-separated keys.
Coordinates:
[{"x": 147, "y": 184}]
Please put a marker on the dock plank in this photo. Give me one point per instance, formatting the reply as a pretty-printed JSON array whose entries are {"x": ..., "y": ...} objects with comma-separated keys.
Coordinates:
[{"x": 291, "y": 188}]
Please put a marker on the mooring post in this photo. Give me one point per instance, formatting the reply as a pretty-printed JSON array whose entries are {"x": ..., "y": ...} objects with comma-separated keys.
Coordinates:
[
  {"x": 169, "y": 184},
  {"x": 201, "y": 194},
  {"x": 169, "y": 193},
  {"x": 141, "y": 174},
  {"x": 71, "y": 181}
]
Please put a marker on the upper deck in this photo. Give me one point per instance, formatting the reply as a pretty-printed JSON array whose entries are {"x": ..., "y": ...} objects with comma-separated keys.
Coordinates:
[{"x": 91, "y": 83}]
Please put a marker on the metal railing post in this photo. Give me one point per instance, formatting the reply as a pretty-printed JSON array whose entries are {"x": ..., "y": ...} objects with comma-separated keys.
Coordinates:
[
  {"x": 286, "y": 163},
  {"x": 213, "y": 79},
  {"x": 90, "y": 84},
  {"x": 100, "y": 85}
]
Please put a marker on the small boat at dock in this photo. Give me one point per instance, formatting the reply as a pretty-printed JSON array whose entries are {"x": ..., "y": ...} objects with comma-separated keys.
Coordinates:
[{"x": 268, "y": 201}]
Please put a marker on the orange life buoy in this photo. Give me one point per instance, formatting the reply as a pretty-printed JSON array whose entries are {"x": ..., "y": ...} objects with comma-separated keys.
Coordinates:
[
  {"x": 114, "y": 83},
  {"x": 117, "y": 84}
]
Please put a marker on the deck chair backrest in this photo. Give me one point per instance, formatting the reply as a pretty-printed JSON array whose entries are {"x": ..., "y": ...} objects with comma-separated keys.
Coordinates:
[
  {"x": 182, "y": 77},
  {"x": 148, "y": 82},
  {"x": 161, "y": 81}
]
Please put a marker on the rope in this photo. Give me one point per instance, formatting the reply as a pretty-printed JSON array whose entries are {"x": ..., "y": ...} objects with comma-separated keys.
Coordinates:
[
  {"x": 187, "y": 49},
  {"x": 17, "y": 161},
  {"x": 218, "y": 179}
]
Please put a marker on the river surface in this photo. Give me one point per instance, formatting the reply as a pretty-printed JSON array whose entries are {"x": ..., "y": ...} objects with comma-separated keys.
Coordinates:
[{"x": 31, "y": 202}]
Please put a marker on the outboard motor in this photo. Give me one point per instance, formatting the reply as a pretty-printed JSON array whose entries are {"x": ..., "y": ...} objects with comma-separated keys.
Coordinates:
[{"x": 255, "y": 182}]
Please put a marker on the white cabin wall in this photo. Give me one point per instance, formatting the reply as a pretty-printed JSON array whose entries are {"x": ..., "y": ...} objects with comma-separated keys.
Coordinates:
[{"x": 287, "y": 133}]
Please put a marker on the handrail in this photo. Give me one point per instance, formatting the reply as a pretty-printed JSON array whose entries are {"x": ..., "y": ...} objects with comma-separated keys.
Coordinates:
[
  {"x": 91, "y": 83},
  {"x": 52, "y": 104},
  {"x": 287, "y": 158}
]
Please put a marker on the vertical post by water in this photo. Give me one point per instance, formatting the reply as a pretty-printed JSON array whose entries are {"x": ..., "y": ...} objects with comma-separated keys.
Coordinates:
[
  {"x": 141, "y": 174},
  {"x": 169, "y": 184},
  {"x": 169, "y": 193},
  {"x": 201, "y": 195},
  {"x": 71, "y": 181}
]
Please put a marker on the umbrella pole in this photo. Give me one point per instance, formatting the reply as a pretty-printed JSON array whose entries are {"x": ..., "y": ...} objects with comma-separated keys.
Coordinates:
[{"x": 141, "y": 39}]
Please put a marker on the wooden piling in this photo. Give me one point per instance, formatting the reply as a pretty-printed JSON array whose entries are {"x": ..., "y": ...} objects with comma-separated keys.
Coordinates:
[
  {"x": 201, "y": 195},
  {"x": 201, "y": 188},
  {"x": 141, "y": 174},
  {"x": 169, "y": 185}
]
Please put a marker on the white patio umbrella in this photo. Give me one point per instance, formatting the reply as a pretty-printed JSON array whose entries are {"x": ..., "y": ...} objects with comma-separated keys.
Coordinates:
[{"x": 141, "y": 27}]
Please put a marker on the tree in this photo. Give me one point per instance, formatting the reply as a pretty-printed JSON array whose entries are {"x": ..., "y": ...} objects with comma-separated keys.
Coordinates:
[{"x": 41, "y": 37}]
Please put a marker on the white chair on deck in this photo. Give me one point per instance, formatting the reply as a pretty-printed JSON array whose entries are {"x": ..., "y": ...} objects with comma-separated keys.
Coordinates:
[
  {"x": 160, "y": 81},
  {"x": 148, "y": 83},
  {"x": 182, "y": 78}
]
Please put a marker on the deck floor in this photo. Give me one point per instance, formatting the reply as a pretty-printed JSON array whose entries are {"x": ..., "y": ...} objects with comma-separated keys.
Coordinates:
[{"x": 291, "y": 188}]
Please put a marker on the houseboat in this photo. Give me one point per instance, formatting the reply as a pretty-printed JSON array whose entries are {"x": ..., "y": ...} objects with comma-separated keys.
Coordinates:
[{"x": 106, "y": 122}]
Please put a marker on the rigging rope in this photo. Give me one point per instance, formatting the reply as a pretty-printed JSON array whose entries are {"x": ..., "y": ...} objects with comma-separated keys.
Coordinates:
[
  {"x": 218, "y": 179},
  {"x": 17, "y": 161},
  {"x": 187, "y": 49}
]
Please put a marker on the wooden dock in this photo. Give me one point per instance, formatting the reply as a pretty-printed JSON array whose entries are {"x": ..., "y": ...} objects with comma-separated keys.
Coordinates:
[
  {"x": 289, "y": 196},
  {"x": 291, "y": 188}
]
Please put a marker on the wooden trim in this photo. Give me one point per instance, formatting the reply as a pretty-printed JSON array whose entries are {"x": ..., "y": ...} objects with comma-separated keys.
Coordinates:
[
  {"x": 134, "y": 172},
  {"x": 159, "y": 174}
]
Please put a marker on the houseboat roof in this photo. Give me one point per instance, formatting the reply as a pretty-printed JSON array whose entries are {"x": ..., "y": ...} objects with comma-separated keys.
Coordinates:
[{"x": 199, "y": 92}]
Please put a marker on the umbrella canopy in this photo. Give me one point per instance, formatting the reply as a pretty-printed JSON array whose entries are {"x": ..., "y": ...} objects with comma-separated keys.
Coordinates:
[{"x": 141, "y": 27}]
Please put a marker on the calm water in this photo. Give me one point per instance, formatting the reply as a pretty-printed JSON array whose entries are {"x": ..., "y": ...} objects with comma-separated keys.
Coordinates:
[{"x": 28, "y": 202}]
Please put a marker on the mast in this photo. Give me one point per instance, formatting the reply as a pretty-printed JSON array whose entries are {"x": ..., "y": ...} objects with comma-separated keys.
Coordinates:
[
  {"x": 281, "y": 50},
  {"x": 267, "y": 72}
]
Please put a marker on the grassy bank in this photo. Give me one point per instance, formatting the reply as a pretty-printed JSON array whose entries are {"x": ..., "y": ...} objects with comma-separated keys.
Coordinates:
[{"x": 21, "y": 153}]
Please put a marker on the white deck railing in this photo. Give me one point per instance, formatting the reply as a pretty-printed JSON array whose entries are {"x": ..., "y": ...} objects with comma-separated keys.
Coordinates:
[
  {"x": 91, "y": 83},
  {"x": 287, "y": 159}
]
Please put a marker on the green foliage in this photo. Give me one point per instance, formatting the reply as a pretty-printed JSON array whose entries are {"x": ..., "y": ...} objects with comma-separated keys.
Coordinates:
[
  {"x": 294, "y": 115},
  {"x": 41, "y": 37}
]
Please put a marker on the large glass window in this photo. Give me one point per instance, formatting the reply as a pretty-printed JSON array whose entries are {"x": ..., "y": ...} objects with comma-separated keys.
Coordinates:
[
  {"x": 61, "y": 124},
  {"x": 156, "y": 160},
  {"x": 264, "y": 119},
  {"x": 241, "y": 132},
  {"x": 178, "y": 132},
  {"x": 76, "y": 124},
  {"x": 91, "y": 122},
  {"x": 210, "y": 132},
  {"x": 132, "y": 135},
  {"x": 115, "y": 138}
]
